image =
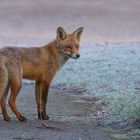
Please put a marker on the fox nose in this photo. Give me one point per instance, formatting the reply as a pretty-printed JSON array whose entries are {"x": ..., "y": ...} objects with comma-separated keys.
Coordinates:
[{"x": 77, "y": 55}]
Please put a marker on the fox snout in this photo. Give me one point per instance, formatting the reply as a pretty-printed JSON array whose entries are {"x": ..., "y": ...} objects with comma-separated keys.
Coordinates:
[{"x": 75, "y": 56}]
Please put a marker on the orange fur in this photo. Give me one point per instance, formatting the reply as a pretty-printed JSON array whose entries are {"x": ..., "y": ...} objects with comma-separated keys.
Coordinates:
[{"x": 35, "y": 63}]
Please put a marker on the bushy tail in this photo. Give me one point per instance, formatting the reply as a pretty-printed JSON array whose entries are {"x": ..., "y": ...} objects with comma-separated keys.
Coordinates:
[{"x": 3, "y": 79}]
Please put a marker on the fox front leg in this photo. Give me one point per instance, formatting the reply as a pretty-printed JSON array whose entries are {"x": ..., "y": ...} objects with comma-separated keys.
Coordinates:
[{"x": 41, "y": 99}]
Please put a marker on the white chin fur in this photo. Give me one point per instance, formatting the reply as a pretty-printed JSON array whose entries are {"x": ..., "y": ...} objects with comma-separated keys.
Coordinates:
[{"x": 74, "y": 56}]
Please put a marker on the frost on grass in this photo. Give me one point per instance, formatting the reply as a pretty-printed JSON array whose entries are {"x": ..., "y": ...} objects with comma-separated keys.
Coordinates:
[{"x": 109, "y": 70}]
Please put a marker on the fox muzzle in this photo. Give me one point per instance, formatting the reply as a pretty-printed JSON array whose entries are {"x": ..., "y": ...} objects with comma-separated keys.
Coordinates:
[{"x": 75, "y": 56}]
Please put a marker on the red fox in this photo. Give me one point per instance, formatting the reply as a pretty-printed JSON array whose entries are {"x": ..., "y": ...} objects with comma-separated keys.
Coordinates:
[{"x": 35, "y": 63}]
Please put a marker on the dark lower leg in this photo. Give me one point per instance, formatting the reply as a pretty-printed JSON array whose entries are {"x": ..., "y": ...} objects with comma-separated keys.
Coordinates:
[
  {"x": 45, "y": 98},
  {"x": 38, "y": 90},
  {"x": 15, "y": 89},
  {"x": 12, "y": 103},
  {"x": 41, "y": 99}
]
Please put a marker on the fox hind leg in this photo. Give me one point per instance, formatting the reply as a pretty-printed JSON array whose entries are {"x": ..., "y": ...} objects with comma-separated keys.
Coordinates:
[
  {"x": 15, "y": 85},
  {"x": 15, "y": 89}
]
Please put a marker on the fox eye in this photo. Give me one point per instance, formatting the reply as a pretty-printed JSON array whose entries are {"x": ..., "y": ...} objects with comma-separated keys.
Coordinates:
[
  {"x": 77, "y": 46},
  {"x": 69, "y": 47}
]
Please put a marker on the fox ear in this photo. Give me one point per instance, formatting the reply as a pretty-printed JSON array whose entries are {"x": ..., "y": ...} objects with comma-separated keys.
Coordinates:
[
  {"x": 78, "y": 32},
  {"x": 61, "y": 34}
]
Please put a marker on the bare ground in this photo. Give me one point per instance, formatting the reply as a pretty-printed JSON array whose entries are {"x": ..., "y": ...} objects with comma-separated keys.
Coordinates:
[{"x": 67, "y": 118}]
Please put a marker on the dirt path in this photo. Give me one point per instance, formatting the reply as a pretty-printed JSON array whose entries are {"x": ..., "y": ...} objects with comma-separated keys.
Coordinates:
[
  {"x": 51, "y": 130},
  {"x": 64, "y": 123}
]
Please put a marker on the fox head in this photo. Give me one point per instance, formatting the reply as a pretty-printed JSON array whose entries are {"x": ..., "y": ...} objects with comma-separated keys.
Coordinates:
[{"x": 69, "y": 43}]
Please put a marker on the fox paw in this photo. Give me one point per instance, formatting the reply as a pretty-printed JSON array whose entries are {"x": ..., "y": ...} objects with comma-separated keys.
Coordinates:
[
  {"x": 22, "y": 118},
  {"x": 43, "y": 116},
  {"x": 7, "y": 118}
]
